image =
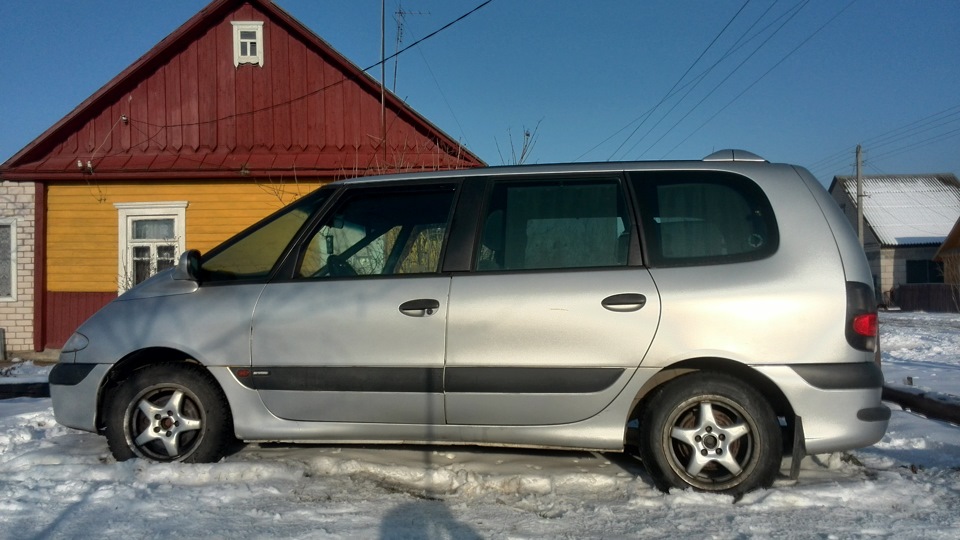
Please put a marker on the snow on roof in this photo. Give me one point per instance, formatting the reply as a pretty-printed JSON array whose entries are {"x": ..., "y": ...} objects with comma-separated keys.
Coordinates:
[{"x": 908, "y": 209}]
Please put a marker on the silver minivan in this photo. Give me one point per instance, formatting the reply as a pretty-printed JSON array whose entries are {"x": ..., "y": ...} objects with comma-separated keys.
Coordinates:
[{"x": 711, "y": 317}]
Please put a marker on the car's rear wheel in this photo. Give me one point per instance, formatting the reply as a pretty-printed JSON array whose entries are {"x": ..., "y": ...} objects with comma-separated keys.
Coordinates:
[
  {"x": 712, "y": 433},
  {"x": 168, "y": 412}
]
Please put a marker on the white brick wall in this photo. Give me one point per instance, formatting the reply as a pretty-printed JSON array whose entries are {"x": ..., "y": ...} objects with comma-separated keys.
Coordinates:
[{"x": 16, "y": 317}]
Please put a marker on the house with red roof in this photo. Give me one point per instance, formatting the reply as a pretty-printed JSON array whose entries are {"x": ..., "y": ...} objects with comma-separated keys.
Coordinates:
[{"x": 239, "y": 111}]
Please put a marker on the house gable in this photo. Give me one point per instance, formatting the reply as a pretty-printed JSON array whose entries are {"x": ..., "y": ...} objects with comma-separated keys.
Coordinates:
[
  {"x": 950, "y": 245},
  {"x": 186, "y": 110}
]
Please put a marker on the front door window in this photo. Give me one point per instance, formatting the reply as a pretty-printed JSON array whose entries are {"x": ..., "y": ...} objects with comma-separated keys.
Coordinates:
[{"x": 380, "y": 233}]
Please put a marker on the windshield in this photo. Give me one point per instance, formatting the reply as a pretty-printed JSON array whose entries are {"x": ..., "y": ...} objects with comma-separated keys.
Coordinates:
[{"x": 253, "y": 253}]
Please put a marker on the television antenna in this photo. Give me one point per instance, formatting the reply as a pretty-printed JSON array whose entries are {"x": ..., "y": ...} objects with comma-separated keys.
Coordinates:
[{"x": 400, "y": 17}]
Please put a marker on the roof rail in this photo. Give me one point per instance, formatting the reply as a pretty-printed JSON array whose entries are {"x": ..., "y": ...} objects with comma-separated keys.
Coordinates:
[{"x": 734, "y": 155}]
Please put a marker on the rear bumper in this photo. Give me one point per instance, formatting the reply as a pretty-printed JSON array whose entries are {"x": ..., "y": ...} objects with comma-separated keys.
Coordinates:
[
  {"x": 74, "y": 389},
  {"x": 839, "y": 403}
]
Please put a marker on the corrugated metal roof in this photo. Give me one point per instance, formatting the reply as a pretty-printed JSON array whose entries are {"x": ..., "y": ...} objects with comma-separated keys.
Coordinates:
[
  {"x": 185, "y": 110},
  {"x": 908, "y": 209}
]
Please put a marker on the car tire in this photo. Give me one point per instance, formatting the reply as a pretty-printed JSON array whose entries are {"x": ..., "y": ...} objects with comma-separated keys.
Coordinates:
[
  {"x": 710, "y": 432},
  {"x": 168, "y": 412}
]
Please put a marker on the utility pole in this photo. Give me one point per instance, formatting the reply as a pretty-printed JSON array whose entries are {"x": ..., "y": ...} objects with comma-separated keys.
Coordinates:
[
  {"x": 383, "y": 78},
  {"x": 859, "y": 196}
]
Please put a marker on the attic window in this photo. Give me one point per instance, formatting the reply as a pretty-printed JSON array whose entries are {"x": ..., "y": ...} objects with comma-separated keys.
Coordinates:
[{"x": 247, "y": 43}]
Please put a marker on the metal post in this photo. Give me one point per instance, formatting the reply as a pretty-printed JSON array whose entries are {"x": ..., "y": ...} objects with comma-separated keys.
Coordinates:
[
  {"x": 3, "y": 345},
  {"x": 859, "y": 197}
]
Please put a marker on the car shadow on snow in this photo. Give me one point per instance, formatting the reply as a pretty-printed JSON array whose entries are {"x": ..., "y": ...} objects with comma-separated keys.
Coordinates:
[{"x": 424, "y": 519}]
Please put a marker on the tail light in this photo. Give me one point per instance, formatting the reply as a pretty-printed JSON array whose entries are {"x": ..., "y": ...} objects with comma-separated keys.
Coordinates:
[
  {"x": 861, "y": 330},
  {"x": 865, "y": 324}
]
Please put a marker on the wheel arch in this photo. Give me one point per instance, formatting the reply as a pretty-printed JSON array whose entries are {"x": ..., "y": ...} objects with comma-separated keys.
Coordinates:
[
  {"x": 140, "y": 359},
  {"x": 760, "y": 382}
]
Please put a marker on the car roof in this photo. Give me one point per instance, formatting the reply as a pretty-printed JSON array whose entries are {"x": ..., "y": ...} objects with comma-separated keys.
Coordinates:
[{"x": 731, "y": 160}]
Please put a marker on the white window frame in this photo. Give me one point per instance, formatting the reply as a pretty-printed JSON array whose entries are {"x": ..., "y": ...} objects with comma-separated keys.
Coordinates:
[
  {"x": 12, "y": 297},
  {"x": 247, "y": 26},
  {"x": 127, "y": 213}
]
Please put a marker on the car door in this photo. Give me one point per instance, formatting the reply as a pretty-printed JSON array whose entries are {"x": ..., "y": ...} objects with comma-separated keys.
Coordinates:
[
  {"x": 557, "y": 313},
  {"x": 356, "y": 334}
]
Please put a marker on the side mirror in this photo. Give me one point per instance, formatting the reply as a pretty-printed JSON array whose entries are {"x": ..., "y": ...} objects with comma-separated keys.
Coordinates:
[{"x": 188, "y": 269}]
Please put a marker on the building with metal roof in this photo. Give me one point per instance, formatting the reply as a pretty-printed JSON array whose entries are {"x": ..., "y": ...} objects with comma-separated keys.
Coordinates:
[
  {"x": 239, "y": 111},
  {"x": 905, "y": 220}
]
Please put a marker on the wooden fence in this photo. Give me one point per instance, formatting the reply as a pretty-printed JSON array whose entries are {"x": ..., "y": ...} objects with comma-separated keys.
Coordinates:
[{"x": 937, "y": 297}]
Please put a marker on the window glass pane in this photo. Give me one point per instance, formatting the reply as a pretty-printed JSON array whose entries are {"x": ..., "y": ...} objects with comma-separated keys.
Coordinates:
[
  {"x": 376, "y": 233},
  {"x": 141, "y": 263},
  {"x": 421, "y": 253},
  {"x": 243, "y": 48},
  {"x": 924, "y": 271},
  {"x": 253, "y": 253},
  {"x": 544, "y": 225},
  {"x": 6, "y": 260},
  {"x": 916, "y": 272},
  {"x": 704, "y": 217},
  {"x": 166, "y": 257},
  {"x": 248, "y": 35},
  {"x": 153, "y": 229},
  {"x": 253, "y": 48}
]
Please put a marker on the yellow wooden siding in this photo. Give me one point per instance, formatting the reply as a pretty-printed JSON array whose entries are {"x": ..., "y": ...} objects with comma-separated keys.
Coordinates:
[{"x": 82, "y": 223}]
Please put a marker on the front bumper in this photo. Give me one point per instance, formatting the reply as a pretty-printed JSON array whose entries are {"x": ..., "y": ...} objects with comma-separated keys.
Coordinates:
[{"x": 74, "y": 389}]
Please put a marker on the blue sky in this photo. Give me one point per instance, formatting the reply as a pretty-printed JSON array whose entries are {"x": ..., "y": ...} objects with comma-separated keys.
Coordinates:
[{"x": 795, "y": 81}]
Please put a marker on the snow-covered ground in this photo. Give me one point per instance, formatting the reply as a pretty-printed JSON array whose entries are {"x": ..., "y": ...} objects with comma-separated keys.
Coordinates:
[{"x": 60, "y": 483}]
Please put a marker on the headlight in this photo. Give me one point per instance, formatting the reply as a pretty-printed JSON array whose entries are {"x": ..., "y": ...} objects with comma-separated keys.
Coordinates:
[{"x": 77, "y": 342}]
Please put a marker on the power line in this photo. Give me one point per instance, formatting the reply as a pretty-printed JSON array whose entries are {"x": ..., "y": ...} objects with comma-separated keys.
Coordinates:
[
  {"x": 792, "y": 13},
  {"x": 443, "y": 96},
  {"x": 327, "y": 87},
  {"x": 431, "y": 34},
  {"x": 900, "y": 134},
  {"x": 740, "y": 42},
  {"x": 761, "y": 77},
  {"x": 936, "y": 138},
  {"x": 675, "y": 84}
]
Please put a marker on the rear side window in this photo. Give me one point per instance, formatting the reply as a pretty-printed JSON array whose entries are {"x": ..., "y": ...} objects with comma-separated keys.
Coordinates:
[
  {"x": 704, "y": 217},
  {"x": 554, "y": 224}
]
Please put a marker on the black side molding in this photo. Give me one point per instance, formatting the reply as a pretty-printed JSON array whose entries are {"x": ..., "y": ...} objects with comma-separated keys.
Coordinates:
[
  {"x": 849, "y": 376},
  {"x": 69, "y": 374},
  {"x": 493, "y": 380},
  {"x": 530, "y": 380},
  {"x": 341, "y": 379}
]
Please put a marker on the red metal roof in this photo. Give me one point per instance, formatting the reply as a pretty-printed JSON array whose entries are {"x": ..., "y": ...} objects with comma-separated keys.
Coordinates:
[{"x": 184, "y": 111}]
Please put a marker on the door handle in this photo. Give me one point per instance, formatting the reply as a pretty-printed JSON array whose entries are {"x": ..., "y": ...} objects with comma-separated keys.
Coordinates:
[
  {"x": 420, "y": 307},
  {"x": 624, "y": 302}
]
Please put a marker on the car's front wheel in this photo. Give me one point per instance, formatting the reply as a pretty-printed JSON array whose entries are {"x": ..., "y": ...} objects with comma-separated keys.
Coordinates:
[
  {"x": 167, "y": 412},
  {"x": 710, "y": 432}
]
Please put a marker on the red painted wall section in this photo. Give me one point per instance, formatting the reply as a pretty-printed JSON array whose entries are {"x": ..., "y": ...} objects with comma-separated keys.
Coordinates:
[{"x": 65, "y": 311}]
